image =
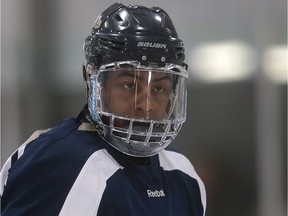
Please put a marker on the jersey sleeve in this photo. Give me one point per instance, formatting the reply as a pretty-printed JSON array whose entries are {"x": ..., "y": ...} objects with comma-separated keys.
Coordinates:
[{"x": 14, "y": 157}]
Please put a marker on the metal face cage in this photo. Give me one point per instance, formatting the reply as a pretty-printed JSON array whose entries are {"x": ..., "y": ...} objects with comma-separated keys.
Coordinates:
[{"x": 139, "y": 109}]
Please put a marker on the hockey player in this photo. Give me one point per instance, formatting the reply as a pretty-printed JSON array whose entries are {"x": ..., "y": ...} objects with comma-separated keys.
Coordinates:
[{"x": 114, "y": 158}]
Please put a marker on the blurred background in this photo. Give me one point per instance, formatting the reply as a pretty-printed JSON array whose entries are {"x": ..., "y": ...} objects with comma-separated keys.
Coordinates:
[{"x": 236, "y": 131}]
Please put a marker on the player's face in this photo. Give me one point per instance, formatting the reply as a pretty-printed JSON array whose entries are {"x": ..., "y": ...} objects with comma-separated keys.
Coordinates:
[{"x": 137, "y": 94}]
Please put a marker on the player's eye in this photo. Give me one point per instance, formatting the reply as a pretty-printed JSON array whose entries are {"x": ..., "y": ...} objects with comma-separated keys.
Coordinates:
[
  {"x": 129, "y": 85},
  {"x": 158, "y": 89}
]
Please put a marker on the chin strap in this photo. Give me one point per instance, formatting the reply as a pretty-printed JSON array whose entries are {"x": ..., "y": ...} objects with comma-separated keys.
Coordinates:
[
  {"x": 82, "y": 116},
  {"x": 85, "y": 117}
]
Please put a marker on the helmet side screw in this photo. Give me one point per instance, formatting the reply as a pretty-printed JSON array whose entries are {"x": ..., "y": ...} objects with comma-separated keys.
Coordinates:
[
  {"x": 163, "y": 59},
  {"x": 144, "y": 58}
]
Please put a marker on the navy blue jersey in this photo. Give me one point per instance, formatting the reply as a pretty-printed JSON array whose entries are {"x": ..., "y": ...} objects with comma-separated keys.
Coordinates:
[{"x": 69, "y": 170}]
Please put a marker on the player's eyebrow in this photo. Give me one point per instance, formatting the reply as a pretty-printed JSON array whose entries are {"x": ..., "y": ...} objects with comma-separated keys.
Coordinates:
[
  {"x": 133, "y": 75},
  {"x": 165, "y": 77},
  {"x": 126, "y": 73}
]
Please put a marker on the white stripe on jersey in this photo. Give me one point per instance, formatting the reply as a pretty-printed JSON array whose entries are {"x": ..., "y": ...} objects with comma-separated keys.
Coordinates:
[
  {"x": 4, "y": 175},
  {"x": 86, "y": 193},
  {"x": 170, "y": 160},
  {"x": 20, "y": 151}
]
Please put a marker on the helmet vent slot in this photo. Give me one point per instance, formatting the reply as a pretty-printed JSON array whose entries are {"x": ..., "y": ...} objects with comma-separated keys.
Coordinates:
[
  {"x": 179, "y": 48},
  {"x": 118, "y": 18},
  {"x": 121, "y": 43},
  {"x": 113, "y": 44}
]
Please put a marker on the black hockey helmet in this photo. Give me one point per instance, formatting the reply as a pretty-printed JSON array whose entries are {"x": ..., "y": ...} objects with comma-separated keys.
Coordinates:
[
  {"x": 133, "y": 32},
  {"x": 143, "y": 109}
]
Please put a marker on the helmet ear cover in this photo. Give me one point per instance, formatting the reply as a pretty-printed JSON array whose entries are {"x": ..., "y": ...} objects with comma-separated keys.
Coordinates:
[{"x": 86, "y": 77}]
